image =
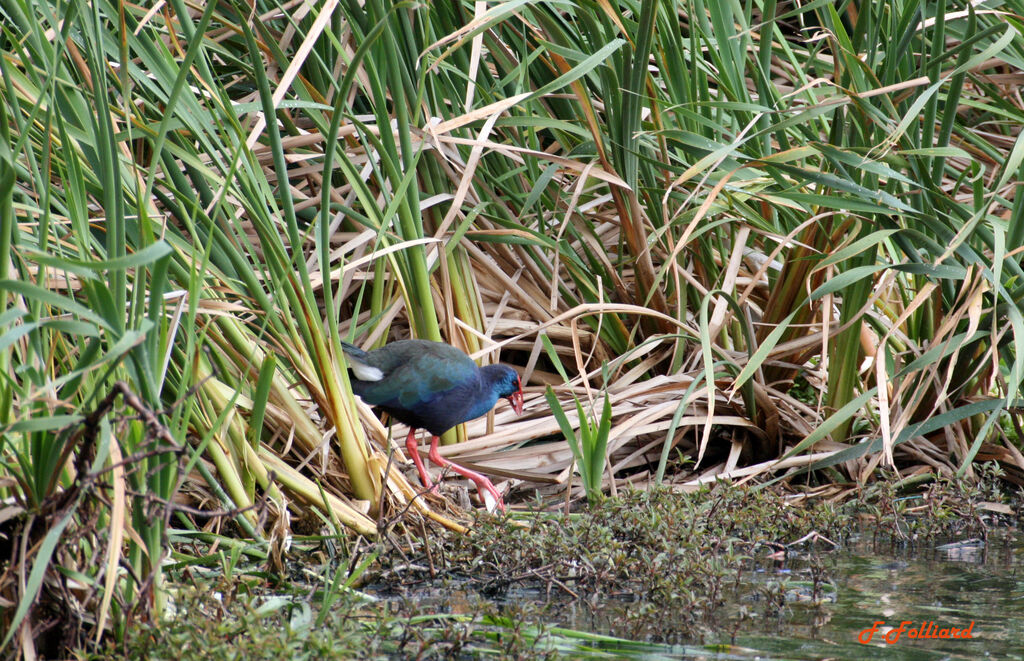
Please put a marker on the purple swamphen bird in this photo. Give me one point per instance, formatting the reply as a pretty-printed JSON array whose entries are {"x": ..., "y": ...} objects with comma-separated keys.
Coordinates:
[{"x": 433, "y": 386}]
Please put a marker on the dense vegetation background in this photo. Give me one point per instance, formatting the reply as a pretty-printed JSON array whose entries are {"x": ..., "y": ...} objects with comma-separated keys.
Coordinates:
[{"x": 778, "y": 239}]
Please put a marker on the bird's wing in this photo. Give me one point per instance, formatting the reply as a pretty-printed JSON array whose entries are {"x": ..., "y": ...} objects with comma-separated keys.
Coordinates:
[{"x": 417, "y": 374}]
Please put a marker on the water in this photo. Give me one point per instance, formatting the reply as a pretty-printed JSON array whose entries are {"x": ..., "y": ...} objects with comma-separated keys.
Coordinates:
[
  {"x": 815, "y": 605},
  {"x": 939, "y": 587}
]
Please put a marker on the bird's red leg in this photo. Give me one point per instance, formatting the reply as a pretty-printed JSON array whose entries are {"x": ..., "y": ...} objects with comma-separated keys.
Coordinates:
[
  {"x": 482, "y": 483},
  {"x": 413, "y": 448}
]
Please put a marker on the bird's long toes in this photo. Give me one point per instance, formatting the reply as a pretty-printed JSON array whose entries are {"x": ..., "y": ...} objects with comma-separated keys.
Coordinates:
[{"x": 490, "y": 495}]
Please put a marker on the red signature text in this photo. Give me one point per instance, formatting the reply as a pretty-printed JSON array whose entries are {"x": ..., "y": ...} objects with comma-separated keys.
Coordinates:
[{"x": 926, "y": 630}]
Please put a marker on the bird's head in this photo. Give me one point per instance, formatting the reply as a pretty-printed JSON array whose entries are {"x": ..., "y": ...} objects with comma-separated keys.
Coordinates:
[{"x": 509, "y": 386}]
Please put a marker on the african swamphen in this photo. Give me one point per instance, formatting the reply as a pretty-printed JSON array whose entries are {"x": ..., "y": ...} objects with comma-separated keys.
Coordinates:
[{"x": 434, "y": 386}]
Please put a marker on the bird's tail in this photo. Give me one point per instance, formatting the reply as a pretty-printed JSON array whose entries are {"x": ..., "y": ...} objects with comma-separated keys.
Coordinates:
[
  {"x": 353, "y": 350},
  {"x": 363, "y": 370}
]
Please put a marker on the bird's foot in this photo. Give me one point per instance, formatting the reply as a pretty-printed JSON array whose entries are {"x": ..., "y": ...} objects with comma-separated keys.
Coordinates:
[{"x": 488, "y": 493}]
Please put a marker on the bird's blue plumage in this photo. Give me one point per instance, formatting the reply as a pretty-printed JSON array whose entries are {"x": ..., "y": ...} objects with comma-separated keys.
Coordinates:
[{"x": 431, "y": 385}]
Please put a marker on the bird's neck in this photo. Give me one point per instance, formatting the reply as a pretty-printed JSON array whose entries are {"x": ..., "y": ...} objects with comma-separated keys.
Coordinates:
[{"x": 488, "y": 390}]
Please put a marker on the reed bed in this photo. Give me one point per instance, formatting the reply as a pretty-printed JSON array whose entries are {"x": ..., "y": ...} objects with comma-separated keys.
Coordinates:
[{"x": 783, "y": 240}]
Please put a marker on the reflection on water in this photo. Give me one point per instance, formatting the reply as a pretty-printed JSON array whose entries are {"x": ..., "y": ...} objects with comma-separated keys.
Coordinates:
[
  {"x": 925, "y": 600},
  {"x": 906, "y": 604},
  {"x": 917, "y": 597}
]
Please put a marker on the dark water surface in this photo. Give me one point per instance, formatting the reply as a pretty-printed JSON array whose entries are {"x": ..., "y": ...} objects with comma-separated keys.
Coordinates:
[
  {"x": 969, "y": 584},
  {"x": 816, "y": 605}
]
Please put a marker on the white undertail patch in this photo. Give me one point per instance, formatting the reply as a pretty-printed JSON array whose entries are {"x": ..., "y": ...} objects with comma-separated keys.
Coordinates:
[{"x": 365, "y": 372}]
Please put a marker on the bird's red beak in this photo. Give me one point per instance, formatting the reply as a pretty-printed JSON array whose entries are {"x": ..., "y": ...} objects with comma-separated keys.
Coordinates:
[{"x": 516, "y": 399}]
